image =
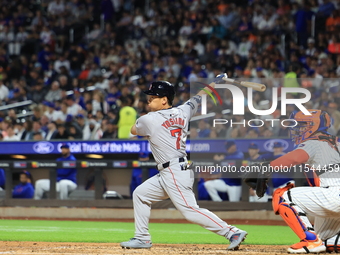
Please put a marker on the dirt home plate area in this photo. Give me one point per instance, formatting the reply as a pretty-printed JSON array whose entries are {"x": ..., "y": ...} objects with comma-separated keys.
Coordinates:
[{"x": 114, "y": 248}]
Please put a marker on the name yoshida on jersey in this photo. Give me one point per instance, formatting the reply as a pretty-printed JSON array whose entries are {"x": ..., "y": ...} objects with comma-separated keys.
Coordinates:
[
  {"x": 172, "y": 122},
  {"x": 167, "y": 130}
]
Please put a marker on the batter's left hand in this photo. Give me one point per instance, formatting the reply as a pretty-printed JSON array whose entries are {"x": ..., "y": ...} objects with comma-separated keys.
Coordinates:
[{"x": 219, "y": 78}]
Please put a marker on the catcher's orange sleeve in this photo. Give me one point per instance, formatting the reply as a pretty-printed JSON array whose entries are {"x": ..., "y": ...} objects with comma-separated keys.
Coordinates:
[{"x": 292, "y": 158}]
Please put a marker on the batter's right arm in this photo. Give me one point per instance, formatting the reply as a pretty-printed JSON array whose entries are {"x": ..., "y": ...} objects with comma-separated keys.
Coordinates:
[{"x": 133, "y": 130}]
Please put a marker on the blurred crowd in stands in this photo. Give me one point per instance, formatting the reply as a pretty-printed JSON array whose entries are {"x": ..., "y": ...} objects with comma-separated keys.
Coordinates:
[{"x": 85, "y": 63}]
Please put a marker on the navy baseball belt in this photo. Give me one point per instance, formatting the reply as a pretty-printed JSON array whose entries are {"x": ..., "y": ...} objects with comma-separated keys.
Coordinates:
[{"x": 167, "y": 164}]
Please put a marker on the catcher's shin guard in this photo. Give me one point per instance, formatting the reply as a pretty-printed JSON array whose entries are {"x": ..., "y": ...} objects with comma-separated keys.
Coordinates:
[{"x": 295, "y": 218}]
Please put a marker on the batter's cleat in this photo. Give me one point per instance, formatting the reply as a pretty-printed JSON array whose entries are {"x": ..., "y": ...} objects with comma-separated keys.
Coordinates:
[
  {"x": 306, "y": 246},
  {"x": 236, "y": 239},
  {"x": 135, "y": 243}
]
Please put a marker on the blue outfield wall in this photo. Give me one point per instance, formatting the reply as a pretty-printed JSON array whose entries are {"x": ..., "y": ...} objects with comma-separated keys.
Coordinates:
[{"x": 132, "y": 146}]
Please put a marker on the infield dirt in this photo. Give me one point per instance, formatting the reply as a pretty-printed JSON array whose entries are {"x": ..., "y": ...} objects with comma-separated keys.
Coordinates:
[{"x": 114, "y": 248}]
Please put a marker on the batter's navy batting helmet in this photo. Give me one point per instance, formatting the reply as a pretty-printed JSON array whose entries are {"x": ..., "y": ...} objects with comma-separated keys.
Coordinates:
[{"x": 162, "y": 89}]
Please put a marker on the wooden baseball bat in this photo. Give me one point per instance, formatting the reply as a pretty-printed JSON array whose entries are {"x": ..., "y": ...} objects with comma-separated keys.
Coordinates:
[{"x": 255, "y": 86}]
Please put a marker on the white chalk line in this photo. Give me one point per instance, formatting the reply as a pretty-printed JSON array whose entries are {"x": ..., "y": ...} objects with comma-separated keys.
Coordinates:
[{"x": 52, "y": 229}]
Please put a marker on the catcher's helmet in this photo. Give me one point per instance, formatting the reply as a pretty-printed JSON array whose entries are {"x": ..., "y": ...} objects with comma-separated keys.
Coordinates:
[
  {"x": 308, "y": 125},
  {"x": 162, "y": 89}
]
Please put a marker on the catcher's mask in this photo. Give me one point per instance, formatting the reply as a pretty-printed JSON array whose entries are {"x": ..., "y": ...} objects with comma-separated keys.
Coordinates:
[{"x": 308, "y": 125}]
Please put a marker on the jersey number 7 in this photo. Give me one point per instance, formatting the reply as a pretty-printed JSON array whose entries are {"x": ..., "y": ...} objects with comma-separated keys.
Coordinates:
[{"x": 177, "y": 133}]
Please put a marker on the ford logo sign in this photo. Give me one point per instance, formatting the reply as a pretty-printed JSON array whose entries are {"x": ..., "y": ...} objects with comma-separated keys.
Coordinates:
[
  {"x": 43, "y": 147},
  {"x": 268, "y": 145}
]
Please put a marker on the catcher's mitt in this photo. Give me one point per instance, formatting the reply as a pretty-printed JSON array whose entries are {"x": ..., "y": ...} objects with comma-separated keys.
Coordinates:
[{"x": 256, "y": 179}]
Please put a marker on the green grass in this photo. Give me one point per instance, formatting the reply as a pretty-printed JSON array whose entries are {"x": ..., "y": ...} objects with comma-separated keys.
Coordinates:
[{"x": 114, "y": 232}]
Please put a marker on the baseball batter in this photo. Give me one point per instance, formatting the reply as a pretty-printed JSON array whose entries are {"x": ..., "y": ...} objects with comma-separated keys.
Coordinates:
[
  {"x": 320, "y": 151},
  {"x": 166, "y": 128}
]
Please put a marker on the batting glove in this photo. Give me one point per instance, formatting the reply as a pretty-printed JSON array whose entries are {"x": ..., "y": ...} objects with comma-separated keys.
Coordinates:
[{"x": 219, "y": 78}]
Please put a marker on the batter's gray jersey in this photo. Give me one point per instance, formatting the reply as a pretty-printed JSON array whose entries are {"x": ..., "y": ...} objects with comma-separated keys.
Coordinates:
[
  {"x": 322, "y": 156},
  {"x": 167, "y": 133},
  {"x": 167, "y": 130}
]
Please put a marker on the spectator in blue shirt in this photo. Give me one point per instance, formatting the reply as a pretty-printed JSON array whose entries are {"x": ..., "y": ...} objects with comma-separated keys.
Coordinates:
[
  {"x": 278, "y": 151},
  {"x": 253, "y": 151},
  {"x": 25, "y": 189},
  {"x": 254, "y": 156},
  {"x": 326, "y": 8},
  {"x": 204, "y": 129},
  {"x": 66, "y": 177},
  {"x": 2, "y": 179},
  {"x": 44, "y": 57},
  {"x": 279, "y": 179},
  {"x": 302, "y": 22},
  {"x": 137, "y": 172},
  {"x": 232, "y": 151},
  {"x": 231, "y": 186}
]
